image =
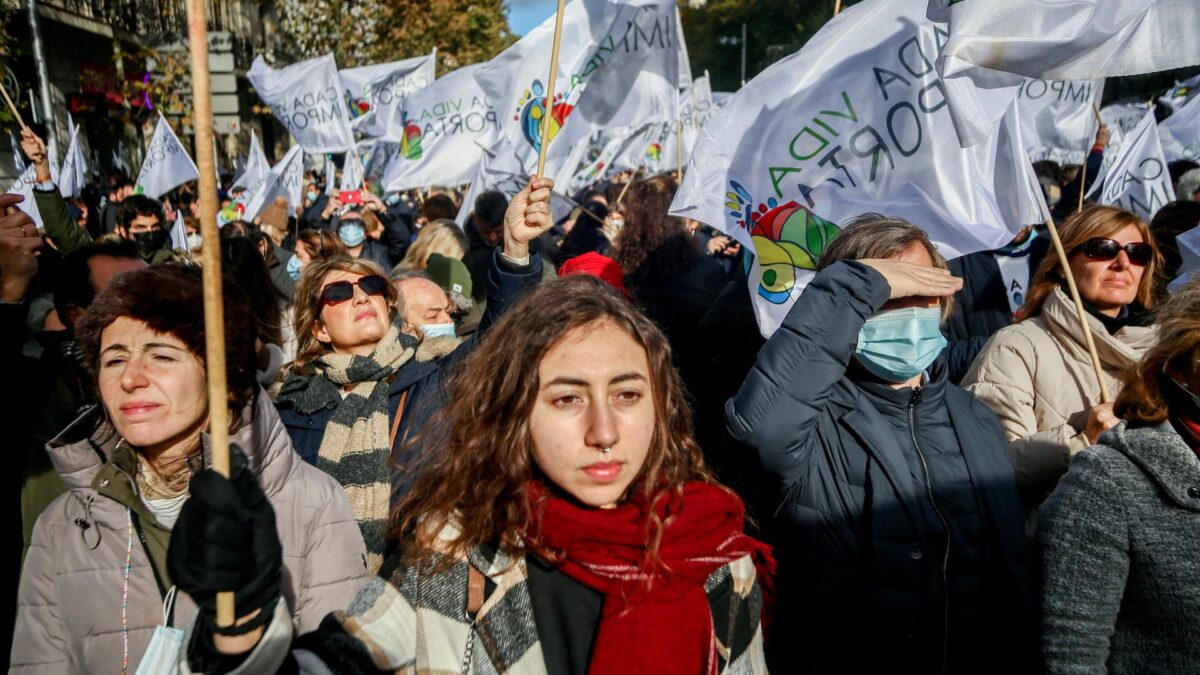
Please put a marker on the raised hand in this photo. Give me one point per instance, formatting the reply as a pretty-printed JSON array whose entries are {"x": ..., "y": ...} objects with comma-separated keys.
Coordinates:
[
  {"x": 19, "y": 245},
  {"x": 908, "y": 279},
  {"x": 527, "y": 217}
]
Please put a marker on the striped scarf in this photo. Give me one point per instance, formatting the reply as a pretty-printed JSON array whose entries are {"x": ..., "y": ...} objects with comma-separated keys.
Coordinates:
[{"x": 354, "y": 449}]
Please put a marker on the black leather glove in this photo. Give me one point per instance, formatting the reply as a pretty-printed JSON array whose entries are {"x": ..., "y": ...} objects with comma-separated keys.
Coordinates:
[{"x": 225, "y": 540}]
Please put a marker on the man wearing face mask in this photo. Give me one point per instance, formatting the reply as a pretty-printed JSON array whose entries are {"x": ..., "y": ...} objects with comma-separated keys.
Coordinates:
[
  {"x": 898, "y": 530},
  {"x": 141, "y": 220},
  {"x": 426, "y": 307},
  {"x": 352, "y": 230}
]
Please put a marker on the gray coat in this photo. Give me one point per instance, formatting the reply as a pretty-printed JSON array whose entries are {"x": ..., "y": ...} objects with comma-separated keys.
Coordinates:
[{"x": 1120, "y": 544}]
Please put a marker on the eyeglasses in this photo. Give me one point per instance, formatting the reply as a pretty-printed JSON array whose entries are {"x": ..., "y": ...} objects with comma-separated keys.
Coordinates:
[
  {"x": 1100, "y": 248},
  {"x": 337, "y": 292}
]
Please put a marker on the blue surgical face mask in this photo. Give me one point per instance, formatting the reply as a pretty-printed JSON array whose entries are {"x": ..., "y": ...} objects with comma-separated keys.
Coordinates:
[
  {"x": 435, "y": 330},
  {"x": 899, "y": 344},
  {"x": 293, "y": 267},
  {"x": 352, "y": 233},
  {"x": 312, "y": 196},
  {"x": 392, "y": 199}
]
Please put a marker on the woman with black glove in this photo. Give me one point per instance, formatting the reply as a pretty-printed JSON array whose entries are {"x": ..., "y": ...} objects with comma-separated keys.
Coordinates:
[
  {"x": 96, "y": 587},
  {"x": 598, "y": 543}
]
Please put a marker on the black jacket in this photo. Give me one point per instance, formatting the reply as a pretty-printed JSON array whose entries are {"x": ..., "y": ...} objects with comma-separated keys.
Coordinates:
[
  {"x": 862, "y": 572},
  {"x": 981, "y": 307},
  {"x": 678, "y": 303},
  {"x": 421, "y": 379}
]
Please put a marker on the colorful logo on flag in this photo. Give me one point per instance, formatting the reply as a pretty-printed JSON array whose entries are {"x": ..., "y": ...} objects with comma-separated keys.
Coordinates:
[
  {"x": 654, "y": 152},
  {"x": 358, "y": 106},
  {"x": 410, "y": 141},
  {"x": 531, "y": 110},
  {"x": 787, "y": 238}
]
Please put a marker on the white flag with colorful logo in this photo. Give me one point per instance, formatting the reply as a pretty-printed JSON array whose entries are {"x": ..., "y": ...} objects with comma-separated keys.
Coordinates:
[
  {"x": 286, "y": 179},
  {"x": 625, "y": 56},
  {"x": 1058, "y": 121},
  {"x": 445, "y": 127},
  {"x": 992, "y": 46},
  {"x": 1138, "y": 180},
  {"x": 854, "y": 122},
  {"x": 653, "y": 149},
  {"x": 1180, "y": 132},
  {"x": 1175, "y": 97},
  {"x": 167, "y": 164},
  {"x": 375, "y": 94},
  {"x": 73, "y": 174},
  {"x": 603, "y": 165},
  {"x": 257, "y": 167},
  {"x": 306, "y": 98}
]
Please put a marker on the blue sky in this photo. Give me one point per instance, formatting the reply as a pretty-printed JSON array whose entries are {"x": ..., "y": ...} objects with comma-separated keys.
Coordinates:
[{"x": 525, "y": 15}]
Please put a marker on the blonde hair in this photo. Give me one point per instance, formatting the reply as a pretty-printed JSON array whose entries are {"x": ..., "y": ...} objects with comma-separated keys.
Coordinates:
[
  {"x": 306, "y": 301},
  {"x": 1142, "y": 399},
  {"x": 1091, "y": 222},
  {"x": 440, "y": 236}
]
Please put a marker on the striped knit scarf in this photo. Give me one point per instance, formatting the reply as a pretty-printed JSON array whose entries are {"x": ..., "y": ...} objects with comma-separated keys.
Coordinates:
[{"x": 354, "y": 449}]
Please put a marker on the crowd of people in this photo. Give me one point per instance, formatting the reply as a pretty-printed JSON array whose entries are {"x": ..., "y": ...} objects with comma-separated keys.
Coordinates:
[{"x": 529, "y": 445}]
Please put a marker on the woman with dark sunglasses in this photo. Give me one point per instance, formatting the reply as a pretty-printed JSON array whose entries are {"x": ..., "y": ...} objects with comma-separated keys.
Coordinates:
[
  {"x": 1118, "y": 536},
  {"x": 361, "y": 384},
  {"x": 1037, "y": 375}
]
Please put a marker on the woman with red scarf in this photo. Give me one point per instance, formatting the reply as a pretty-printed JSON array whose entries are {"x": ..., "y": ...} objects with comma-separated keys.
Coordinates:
[{"x": 569, "y": 526}]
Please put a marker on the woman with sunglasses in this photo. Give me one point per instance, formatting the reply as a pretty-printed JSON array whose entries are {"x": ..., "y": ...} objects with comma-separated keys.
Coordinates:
[
  {"x": 1121, "y": 581},
  {"x": 1037, "y": 375},
  {"x": 362, "y": 383}
]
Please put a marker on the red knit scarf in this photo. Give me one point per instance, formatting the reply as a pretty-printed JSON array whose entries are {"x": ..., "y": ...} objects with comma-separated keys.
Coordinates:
[{"x": 664, "y": 626}]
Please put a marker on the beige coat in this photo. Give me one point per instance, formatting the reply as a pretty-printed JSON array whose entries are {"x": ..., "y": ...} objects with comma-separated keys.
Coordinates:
[
  {"x": 69, "y": 603},
  {"x": 1038, "y": 378}
]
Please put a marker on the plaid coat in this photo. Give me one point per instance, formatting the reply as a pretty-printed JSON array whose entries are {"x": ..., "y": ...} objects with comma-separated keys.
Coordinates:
[{"x": 414, "y": 621}]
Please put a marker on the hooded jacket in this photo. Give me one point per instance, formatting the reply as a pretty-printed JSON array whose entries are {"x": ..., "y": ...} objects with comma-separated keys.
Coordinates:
[
  {"x": 1119, "y": 548},
  {"x": 1037, "y": 376},
  {"x": 70, "y": 601}
]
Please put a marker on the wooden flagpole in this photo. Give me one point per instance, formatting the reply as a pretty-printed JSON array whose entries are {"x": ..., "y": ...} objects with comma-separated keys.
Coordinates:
[
  {"x": 627, "y": 184},
  {"x": 549, "y": 106},
  {"x": 12, "y": 107},
  {"x": 679, "y": 150},
  {"x": 1105, "y": 396},
  {"x": 214, "y": 311},
  {"x": 837, "y": 7}
]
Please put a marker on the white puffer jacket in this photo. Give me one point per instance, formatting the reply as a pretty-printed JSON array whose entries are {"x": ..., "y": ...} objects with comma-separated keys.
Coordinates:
[{"x": 1037, "y": 376}]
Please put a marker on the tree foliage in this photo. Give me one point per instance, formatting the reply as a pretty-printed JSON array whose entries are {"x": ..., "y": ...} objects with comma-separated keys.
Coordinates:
[
  {"x": 775, "y": 28},
  {"x": 360, "y": 32}
]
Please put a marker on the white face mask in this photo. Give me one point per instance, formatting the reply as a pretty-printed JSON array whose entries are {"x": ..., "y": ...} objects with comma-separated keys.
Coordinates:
[{"x": 194, "y": 240}]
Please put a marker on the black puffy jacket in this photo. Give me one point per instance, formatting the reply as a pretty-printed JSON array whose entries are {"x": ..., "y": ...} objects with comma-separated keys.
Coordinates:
[{"x": 863, "y": 561}]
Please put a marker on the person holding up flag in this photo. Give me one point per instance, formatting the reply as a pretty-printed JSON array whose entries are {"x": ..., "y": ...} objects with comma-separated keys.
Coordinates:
[
  {"x": 1037, "y": 374},
  {"x": 56, "y": 222}
]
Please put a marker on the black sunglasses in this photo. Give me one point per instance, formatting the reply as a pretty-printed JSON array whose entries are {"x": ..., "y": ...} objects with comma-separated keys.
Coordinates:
[
  {"x": 337, "y": 292},
  {"x": 1101, "y": 248}
]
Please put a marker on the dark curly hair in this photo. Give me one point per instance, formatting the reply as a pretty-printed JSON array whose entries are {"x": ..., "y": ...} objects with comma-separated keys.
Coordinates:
[
  {"x": 653, "y": 245},
  {"x": 169, "y": 299},
  {"x": 483, "y": 430}
]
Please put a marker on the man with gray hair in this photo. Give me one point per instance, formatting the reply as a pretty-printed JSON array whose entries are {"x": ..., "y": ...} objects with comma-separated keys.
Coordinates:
[{"x": 1188, "y": 188}]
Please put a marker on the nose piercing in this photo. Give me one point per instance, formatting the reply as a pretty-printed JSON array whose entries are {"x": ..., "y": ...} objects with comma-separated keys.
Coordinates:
[{"x": 606, "y": 450}]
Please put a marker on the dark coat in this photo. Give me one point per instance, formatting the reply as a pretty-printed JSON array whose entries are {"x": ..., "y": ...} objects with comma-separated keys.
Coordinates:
[
  {"x": 861, "y": 572},
  {"x": 678, "y": 303},
  {"x": 421, "y": 379},
  {"x": 981, "y": 307},
  {"x": 377, "y": 252}
]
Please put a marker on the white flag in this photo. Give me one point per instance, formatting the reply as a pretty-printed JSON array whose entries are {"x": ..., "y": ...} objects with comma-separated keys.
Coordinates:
[
  {"x": 653, "y": 148},
  {"x": 18, "y": 156},
  {"x": 331, "y": 184},
  {"x": 167, "y": 164},
  {"x": 1121, "y": 119},
  {"x": 1181, "y": 132},
  {"x": 854, "y": 122},
  {"x": 992, "y": 46},
  {"x": 1058, "y": 122},
  {"x": 489, "y": 178},
  {"x": 286, "y": 179},
  {"x": 352, "y": 172},
  {"x": 306, "y": 98},
  {"x": 623, "y": 55},
  {"x": 24, "y": 186},
  {"x": 445, "y": 128},
  {"x": 697, "y": 107},
  {"x": 602, "y": 166},
  {"x": 179, "y": 234},
  {"x": 1189, "y": 253},
  {"x": 375, "y": 94},
  {"x": 73, "y": 174},
  {"x": 257, "y": 167},
  {"x": 1138, "y": 180},
  {"x": 1176, "y": 97}
]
